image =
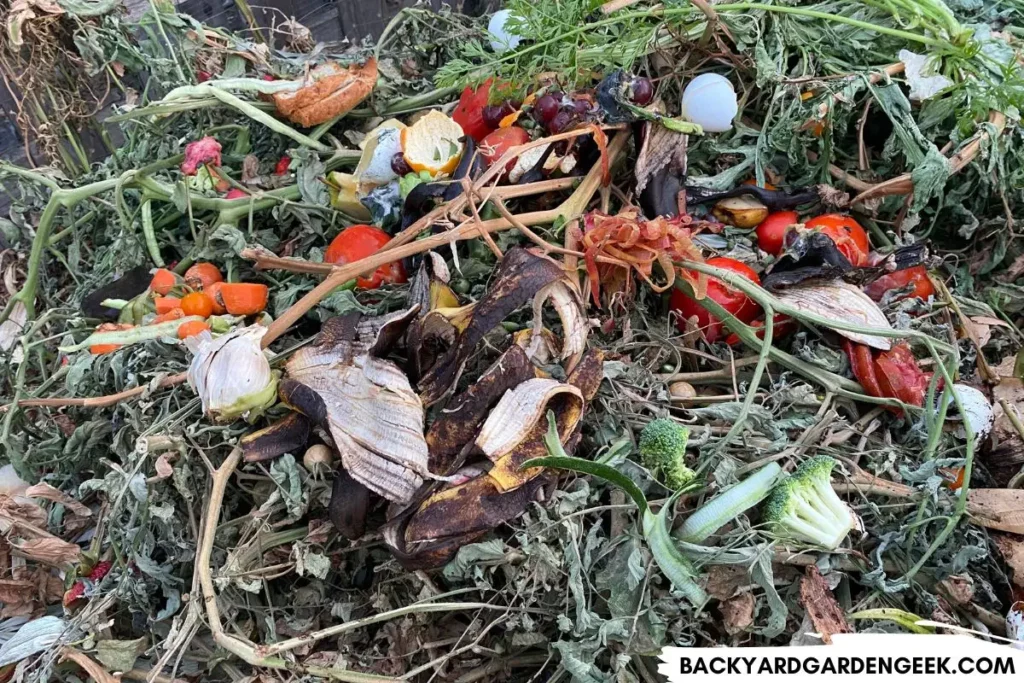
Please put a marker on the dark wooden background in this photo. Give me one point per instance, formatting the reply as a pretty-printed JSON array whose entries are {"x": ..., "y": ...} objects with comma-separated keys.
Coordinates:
[{"x": 328, "y": 20}]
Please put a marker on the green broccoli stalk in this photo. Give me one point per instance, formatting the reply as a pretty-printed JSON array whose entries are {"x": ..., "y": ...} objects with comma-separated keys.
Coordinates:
[
  {"x": 663, "y": 450},
  {"x": 806, "y": 508}
]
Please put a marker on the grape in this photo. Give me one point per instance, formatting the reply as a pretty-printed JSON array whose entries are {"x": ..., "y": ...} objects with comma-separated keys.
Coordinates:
[
  {"x": 562, "y": 121},
  {"x": 399, "y": 165},
  {"x": 546, "y": 107},
  {"x": 582, "y": 107},
  {"x": 643, "y": 91},
  {"x": 492, "y": 115}
]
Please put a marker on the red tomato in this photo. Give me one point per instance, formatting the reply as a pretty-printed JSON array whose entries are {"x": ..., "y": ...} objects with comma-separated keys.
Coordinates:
[
  {"x": 916, "y": 276},
  {"x": 863, "y": 365},
  {"x": 494, "y": 146},
  {"x": 849, "y": 237},
  {"x": 470, "y": 111},
  {"x": 357, "y": 242},
  {"x": 771, "y": 233},
  {"x": 782, "y": 326},
  {"x": 900, "y": 376},
  {"x": 735, "y": 302},
  {"x": 281, "y": 167}
]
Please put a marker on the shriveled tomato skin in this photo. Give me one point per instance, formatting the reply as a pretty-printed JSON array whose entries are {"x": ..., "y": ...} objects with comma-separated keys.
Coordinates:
[
  {"x": 916, "y": 276},
  {"x": 735, "y": 302},
  {"x": 494, "y": 146},
  {"x": 849, "y": 236},
  {"x": 357, "y": 242}
]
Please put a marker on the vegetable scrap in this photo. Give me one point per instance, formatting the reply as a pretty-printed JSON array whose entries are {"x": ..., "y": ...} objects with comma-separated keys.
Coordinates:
[{"x": 514, "y": 347}]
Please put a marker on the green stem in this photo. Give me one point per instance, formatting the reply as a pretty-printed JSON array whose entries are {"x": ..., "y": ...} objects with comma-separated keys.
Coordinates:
[
  {"x": 755, "y": 380},
  {"x": 170, "y": 47},
  {"x": 200, "y": 91}
]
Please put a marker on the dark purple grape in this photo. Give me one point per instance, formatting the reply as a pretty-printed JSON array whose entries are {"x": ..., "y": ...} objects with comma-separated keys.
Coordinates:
[
  {"x": 546, "y": 107},
  {"x": 582, "y": 107},
  {"x": 492, "y": 115},
  {"x": 562, "y": 121},
  {"x": 643, "y": 91},
  {"x": 510, "y": 106},
  {"x": 399, "y": 165}
]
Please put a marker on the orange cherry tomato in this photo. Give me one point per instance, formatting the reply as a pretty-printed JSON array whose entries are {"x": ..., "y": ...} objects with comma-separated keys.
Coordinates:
[
  {"x": 771, "y": 233},
  {"x": 357, "y": 242},
  {"x": 849, "y": 236},
  {"x": 191, "y": 328},
  {"x": 494, "y": 146},
  {"x": 202, "y": 275},
  {"x": 197, "y": 303},
  {"x": 917, "y": 277},
  {"x": 733, "y": 301},
  {"x": 163, "y": 281},
  {"x": 242, "y": 298}
]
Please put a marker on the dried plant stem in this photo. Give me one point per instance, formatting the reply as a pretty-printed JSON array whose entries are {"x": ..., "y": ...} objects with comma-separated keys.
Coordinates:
[
  {"x": 572, "y": 207},
  {"x": 101, "y": 401}
]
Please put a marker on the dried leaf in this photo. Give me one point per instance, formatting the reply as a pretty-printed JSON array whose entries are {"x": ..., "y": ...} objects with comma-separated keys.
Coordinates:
[
  {"x": 738, "y": 613},
  {"x": 1011, "y": 547},
  {"x": 660, "y": 147},
  {"x": 724, "y": 580},
  {"x": 822, "y": 607},
  {"x": 47, "y": 492},
  {"x": 32, "y": 638},
  {"x": 1001, "y": 509},
  {"x": 50, "y": 550},
  {"x": 97, "y": 672},
  {"x": 120, "y": 655}
]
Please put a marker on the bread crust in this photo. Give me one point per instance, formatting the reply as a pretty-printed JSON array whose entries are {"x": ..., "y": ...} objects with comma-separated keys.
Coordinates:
[{"x": 334, "y": 90}]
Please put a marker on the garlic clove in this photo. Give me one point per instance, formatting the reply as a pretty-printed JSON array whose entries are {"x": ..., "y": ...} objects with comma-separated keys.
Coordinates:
[{"x": 231, "y": 375}]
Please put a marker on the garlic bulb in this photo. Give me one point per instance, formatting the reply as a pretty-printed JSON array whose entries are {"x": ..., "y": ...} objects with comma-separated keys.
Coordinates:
[
  {"x": 709, "y": 100},
  {"x": 502, "y": 40},
  {"x": 231, "y": 375}
]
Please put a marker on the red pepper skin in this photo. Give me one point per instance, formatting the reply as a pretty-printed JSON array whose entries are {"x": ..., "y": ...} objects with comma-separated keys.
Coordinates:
[
  {"x": 863, "y": 366},
  {"x": 916, "y": 276},
  {"x": 282, "y": 165},
  {"x": 77, "y": 590},
  {"x": 900, "y": 376},
  {"x": 469, "y": 113}
]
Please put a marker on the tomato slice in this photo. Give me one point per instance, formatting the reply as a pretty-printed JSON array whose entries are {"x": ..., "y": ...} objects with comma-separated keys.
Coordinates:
[
  {"x": 915, "y": 277},
  {"x": 469, "y": 113},
  {"x": 849, "y": 236},
  {"x": 900, "y": 376},
  {"x": 494, "y": 146}
]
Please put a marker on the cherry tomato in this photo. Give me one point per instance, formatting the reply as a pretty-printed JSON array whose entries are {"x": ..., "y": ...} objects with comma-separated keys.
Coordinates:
[
  {"x": 470, "y": 111},
  {"x": 916, "y": 276},
  {"x": 771, "y": 233},
  {"x": 494, "y": 146},
  {"x": 735, "y": 302},
  {"x": 197, "y": 303},
  {"x": 848, "y": 235},
  {"x": 281, "y": 167},
  {"x": 358, "y": 242}
]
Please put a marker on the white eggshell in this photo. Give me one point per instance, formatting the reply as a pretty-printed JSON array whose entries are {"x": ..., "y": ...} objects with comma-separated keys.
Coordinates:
[
  {"x": 978, "y": 411},
  {"x": 709, "y": 100},
  {"x": 501, "y": 39},
  {"x": 1015, "y": 625}
]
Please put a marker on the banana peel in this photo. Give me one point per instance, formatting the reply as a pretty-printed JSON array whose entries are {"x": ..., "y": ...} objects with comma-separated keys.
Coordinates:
[{"x": 430, "y": 534}]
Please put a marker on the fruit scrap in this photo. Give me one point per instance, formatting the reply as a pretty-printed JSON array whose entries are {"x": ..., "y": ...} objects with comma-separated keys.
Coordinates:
[
  {"x": 732, "y": 300},
  {"x": 636, "y": 244},
  {"x": 192, "y": 328},
  {"x": 889, "y": 374},
  {"x": 914, "y": 280},
  {"x": 77, "y": 590},
  {"x": 329, "y": 91},
  {"x": 469, "y": 113},
  {"x": 200, "y": 153},
  {"x": 241, "y": 298},
  {"x": 164, "y": 281},
  {"x": 355, "y": 243},
  {"x": 202, "y": 275},
  {"x": 100, "y": 349},
  {"x": 198, "y": 304},
  {"x": 432, "y": 144},
  {"x": 166, "y": 304}
]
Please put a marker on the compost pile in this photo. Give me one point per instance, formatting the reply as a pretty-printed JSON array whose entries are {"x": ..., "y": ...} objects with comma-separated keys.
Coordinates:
[{"x": 511, "y": 348}]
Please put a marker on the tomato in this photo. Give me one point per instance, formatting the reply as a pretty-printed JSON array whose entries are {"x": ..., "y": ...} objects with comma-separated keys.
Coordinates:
[
  {"x": 494, "y": 146},
  {"x": 735, "y": 302},
  {"x": 783, "y": 325},
  {"x": 900, "y": 376},
  {"x": 848, "y": 235},
  {"x": 917, "y": 277},
  {"x": 281, "y": 168},
  {"x": 197, "y": 303},
  {"x": 357, "y": 242},
  {"x": 202, "y": 275},
  {"x": 469, "y": 113},
  {"x": 164, "y": 281},
  {"x": 771, "y": 233},
  {"x": 863, "y": 365}
]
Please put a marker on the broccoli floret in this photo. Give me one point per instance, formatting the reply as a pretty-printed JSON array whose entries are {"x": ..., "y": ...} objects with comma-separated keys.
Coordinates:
[
  {"x": 806, "y": 508},
  {"x": 663, "y": 450}
]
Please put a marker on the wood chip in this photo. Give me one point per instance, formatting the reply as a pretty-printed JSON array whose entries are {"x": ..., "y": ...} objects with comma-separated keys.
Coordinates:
[
  {"x": 738, "y": 613},
  {"x": 1011, "y": 547},
  {"x": 822, "y": 607},
  {"x": 1001, "y": 509}
]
